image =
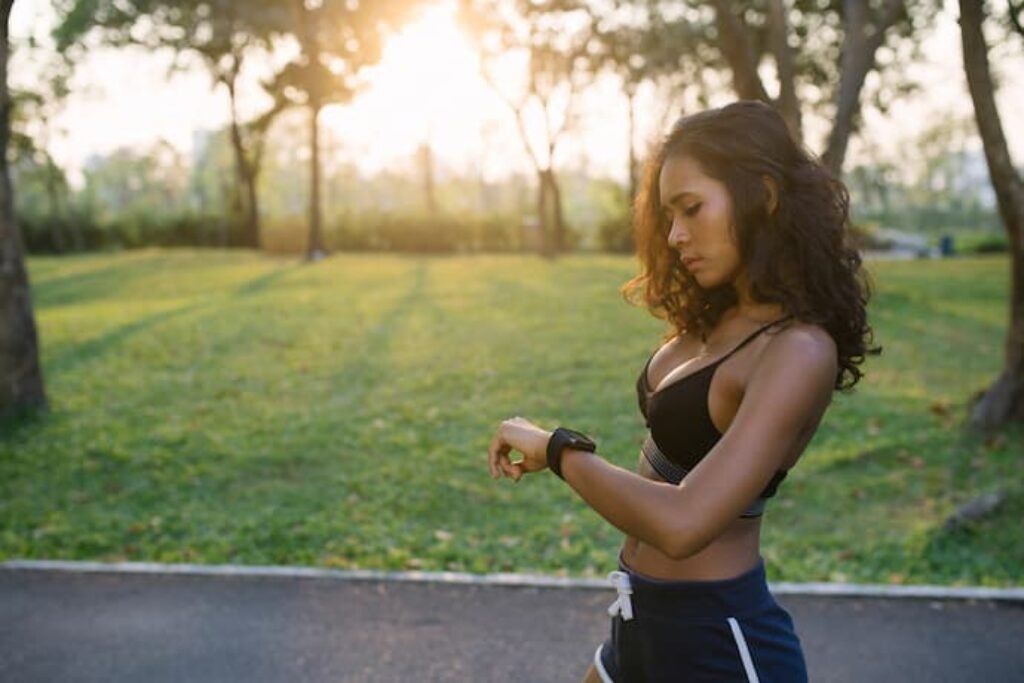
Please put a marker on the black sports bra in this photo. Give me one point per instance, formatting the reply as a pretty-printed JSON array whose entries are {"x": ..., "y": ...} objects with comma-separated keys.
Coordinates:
[{"x": 681, "y": 430}]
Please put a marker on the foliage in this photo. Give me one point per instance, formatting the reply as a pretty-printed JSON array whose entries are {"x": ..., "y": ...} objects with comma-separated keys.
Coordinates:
[
  {"x": 982, "y": 243},
  {"x": 551, "y": 40},
  {"x": 408, "y": 232}
]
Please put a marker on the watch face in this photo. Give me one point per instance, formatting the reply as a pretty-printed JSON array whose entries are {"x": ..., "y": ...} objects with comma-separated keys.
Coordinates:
[{"x": 579, "y": 439}]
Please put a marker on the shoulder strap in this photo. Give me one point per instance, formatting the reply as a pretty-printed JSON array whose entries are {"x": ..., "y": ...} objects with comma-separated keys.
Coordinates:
[{"x": 751, "y": 337}]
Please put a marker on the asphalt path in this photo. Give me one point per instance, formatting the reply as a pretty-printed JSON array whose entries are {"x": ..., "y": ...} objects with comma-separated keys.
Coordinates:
[{"x": 65, "y": 626}]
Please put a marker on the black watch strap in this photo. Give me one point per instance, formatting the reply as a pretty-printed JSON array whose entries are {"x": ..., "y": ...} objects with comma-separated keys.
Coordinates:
[{"x": 563, "y": 438}]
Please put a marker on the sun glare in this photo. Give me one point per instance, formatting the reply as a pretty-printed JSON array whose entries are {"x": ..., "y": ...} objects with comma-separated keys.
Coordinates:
[{"x": 426, "y": 89}]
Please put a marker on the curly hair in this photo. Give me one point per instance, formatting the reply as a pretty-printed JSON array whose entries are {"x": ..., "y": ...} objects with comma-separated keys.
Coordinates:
[{"x": 799, "y": 255}]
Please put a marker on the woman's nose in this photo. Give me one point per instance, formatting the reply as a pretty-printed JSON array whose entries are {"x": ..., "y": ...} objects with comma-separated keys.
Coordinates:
[{"x": 677, "y": 235}]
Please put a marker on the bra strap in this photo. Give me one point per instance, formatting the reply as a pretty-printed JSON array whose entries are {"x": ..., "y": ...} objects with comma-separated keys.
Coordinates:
[{"x": 752, "y": 336}]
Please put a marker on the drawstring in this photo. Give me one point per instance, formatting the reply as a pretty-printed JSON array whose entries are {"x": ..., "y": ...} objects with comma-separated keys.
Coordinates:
[{"x": 622, "y": 605}]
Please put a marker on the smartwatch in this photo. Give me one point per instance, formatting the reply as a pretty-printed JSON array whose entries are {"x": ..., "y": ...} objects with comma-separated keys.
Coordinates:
[{"x": 563, "y": 438}]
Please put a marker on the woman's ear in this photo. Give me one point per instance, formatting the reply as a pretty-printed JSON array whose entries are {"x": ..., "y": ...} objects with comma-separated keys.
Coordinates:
[{"x": 773, "y": 193}]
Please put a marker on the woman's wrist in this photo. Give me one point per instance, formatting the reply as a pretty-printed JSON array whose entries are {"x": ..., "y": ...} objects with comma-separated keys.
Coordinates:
[
  {"x": 563, "y": 439},
  {"x": 572, "y": 458}
]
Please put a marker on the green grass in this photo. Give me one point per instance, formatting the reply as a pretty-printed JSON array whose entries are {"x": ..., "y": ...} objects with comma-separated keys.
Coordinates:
[{"x": 216, "y": 407}]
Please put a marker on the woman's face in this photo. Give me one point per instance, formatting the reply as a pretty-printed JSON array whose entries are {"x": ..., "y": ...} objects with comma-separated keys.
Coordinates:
[{"x": 700, "y": 211}]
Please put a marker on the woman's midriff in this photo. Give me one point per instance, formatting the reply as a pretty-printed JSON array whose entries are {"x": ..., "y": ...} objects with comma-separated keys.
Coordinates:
[{"x": 731, "y": 554}]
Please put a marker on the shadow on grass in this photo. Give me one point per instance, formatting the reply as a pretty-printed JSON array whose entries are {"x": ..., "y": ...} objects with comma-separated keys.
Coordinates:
[
  {"x": 97, "y": 347},
  {"x": 369, "y": 367},
  {"x": 94, "y": 283},
  {"x": 20, "y": 421},
  {"x": 259, "y": 284},
  {"x": 970, "y": 553}
]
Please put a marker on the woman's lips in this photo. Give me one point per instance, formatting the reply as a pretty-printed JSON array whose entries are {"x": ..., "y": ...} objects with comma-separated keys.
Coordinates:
[{"x": 690, "y": 262}]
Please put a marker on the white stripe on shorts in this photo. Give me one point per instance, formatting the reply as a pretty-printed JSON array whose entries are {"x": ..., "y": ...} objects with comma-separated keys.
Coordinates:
[
  {"x": 741, "y": 643},
  {"x": 605, "y": 678}
]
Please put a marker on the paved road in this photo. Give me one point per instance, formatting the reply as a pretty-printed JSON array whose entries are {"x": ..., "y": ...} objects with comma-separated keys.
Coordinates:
[{"x": 58, "y": 626}]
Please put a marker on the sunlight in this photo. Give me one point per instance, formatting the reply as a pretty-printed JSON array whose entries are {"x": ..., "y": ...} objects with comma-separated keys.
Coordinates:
[{"x": 426, "y": 88}]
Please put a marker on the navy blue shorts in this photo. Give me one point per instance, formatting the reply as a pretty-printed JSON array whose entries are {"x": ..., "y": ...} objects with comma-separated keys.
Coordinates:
[{"x": 714, "y": 631}]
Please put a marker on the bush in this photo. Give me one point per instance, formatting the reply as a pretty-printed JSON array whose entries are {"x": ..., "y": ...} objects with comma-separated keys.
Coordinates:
[
  {"x": 403, "y": 233},
  {"x": 81, "y": 231},
  {"x": 985, "y": 245},
  {"x": 864, "y": 235},
  {"x": 615, "y": 234}
]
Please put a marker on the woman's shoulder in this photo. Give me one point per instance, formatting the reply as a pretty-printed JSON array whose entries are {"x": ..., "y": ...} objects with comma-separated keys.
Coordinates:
[
  {"x": 801, "y": 344},
  {"x": 804, "y": 334}
]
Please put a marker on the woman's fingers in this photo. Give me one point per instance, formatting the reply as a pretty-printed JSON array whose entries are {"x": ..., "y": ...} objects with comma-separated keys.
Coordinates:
[
  {"x": 494, "y": 456},
  {"x": 498, "y": 460}
]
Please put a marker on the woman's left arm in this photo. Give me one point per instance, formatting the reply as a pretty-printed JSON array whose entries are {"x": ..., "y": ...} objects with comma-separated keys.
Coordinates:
[{"x": 788, "y": 391}]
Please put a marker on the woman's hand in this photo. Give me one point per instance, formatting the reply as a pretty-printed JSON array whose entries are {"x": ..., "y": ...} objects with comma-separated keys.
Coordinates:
[{"x": 518, "y": 434}]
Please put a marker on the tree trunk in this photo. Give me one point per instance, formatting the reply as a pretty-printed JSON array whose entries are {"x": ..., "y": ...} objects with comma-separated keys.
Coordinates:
[
  {"x": 558, "y": 216},
  {"x": 738, "y": 51},
  {"x": 252, "y": 210},
  {"x": 21, "y": 379},
  {"x": 55, "y": 218},
  {"x": 544, "y": 214},
  {"x": 316, "y": 242},
  {"x": 788, "y": 104},
  {"x": 634, "y": 179},
  {"x": 246, "y": 193},
  {"x": 1004, "y": 400},
  {"x": 552, "y": 219},
  {"x": 857, "y": 59}
]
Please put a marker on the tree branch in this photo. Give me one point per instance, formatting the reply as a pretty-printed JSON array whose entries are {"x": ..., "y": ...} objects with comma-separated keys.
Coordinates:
[
  {"x": 1005, "y": 178},
  {"x": 1015, "y": 12},
  {"x": 735, "y": 43},
  {"x": 789, "y": 105}
]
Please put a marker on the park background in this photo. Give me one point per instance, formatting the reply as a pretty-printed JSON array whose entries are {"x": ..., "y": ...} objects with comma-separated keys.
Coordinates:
[{"x": 242, "y": 370}]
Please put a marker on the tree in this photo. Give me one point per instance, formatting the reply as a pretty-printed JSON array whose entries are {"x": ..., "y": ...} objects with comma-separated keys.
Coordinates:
[
  {"x": 640, "y": 42},
  {"x": 553, "y": 38},
  {"x": 1004, "y": 400},
  {"x": 33, "y": 128},
  {"x": 337, "y": 39},
  {"x": 776, "y": 27},
  {"x": 21, "y": 378},
  {"x": 223, "y": 33},
  {"x": 34, "y": 167}
]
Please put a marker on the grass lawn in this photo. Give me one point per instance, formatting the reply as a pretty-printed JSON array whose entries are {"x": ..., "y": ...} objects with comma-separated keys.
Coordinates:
[{"x": 217, "y": 407}]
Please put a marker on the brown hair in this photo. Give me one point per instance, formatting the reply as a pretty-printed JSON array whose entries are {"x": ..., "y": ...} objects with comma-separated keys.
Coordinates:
[{"x": 798, "y": 255}]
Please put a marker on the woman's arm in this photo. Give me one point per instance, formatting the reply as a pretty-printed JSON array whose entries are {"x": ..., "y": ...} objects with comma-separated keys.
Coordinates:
[
  {"x": 790, "y": 388},
  {"x": 788, "y": 391}
]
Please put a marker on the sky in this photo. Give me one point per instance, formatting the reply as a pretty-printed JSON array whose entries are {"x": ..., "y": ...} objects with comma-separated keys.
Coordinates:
[{"x": 427, "y": 88}]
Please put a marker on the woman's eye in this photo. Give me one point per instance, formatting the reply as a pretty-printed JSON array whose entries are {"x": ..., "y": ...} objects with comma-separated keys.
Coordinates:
[{"x": 692, "y": 210}]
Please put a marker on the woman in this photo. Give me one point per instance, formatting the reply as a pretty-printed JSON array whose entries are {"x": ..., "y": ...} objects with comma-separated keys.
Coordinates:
[{"x": 742, "y": 240}]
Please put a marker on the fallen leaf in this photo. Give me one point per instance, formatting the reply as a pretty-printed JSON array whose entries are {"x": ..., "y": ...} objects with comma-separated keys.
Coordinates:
[{"x": 995, "y": 442}]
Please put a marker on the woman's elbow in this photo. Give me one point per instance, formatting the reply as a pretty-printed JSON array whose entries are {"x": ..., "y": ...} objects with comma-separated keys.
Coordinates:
[{"x": 680, "y": 543}]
